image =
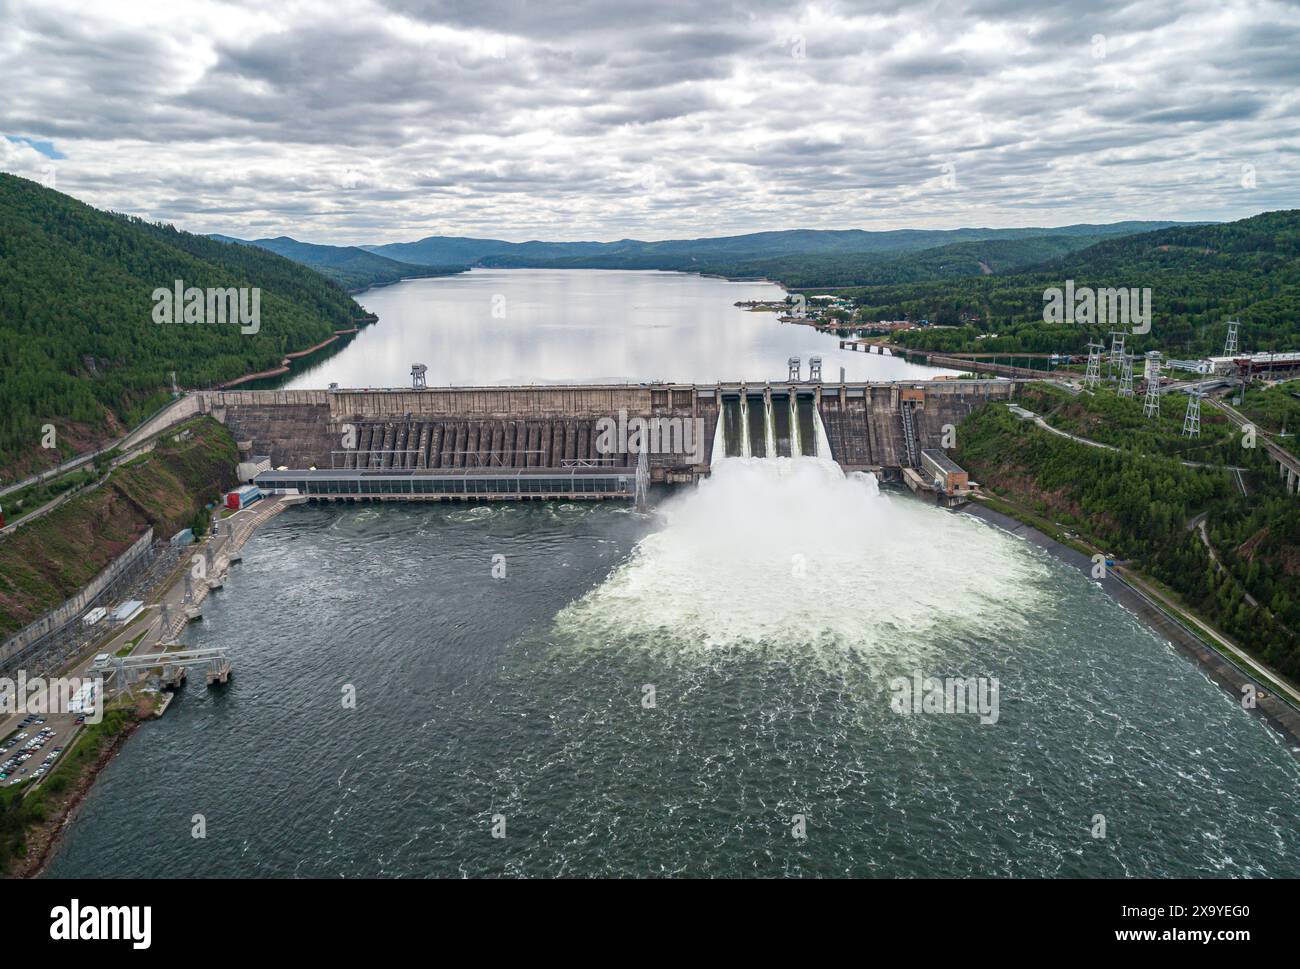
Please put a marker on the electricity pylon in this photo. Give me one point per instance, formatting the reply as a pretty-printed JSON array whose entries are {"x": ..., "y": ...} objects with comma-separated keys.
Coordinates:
[
  {"x": 1230, "y": 344},
  {"x": 1093, "y": 376},
  {"x": 1192, "y": 422},
  {"x": 1126, "y": 375},
  {"x": 1116, "y": 352},
  {"x": 1151, "y": 406}
]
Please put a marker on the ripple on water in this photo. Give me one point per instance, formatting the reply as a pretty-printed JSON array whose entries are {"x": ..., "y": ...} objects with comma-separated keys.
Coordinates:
[{"x": 525, "y": 697}]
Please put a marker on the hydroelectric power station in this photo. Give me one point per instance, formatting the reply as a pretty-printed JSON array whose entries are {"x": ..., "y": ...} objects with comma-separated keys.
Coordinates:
[{"x": 578, "y": 441}]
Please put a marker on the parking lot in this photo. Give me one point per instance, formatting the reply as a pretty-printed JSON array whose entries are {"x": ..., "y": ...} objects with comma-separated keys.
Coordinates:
[{"x": 29, "y": 752}]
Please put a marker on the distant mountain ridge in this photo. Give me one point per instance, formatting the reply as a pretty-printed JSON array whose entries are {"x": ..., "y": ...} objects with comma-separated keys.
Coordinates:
[
  {"x": 796, "y": 258},
  {"x": 684, "y": 253},
  {"x": 351, "y": 267}
]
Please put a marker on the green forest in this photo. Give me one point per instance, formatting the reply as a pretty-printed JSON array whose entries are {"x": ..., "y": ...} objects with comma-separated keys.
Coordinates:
[
  {"x": 1199, "y": 277},
  {"x": 352, "y": 268},
  {"x": 78, "y": 344},
  {"x": 1138, "y": 504}
]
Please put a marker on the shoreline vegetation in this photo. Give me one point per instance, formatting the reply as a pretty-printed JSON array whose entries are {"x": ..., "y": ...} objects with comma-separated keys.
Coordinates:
[
  {"x": 1161, "y": 617},
  {"x": 1214, "y": 566},
  {"x": 287, "y": 362}
]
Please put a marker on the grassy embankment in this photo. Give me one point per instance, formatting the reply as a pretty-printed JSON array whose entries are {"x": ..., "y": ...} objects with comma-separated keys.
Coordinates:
[
  {"x": 1141, "y": 504},
  {"x": 45, "y": 562}
]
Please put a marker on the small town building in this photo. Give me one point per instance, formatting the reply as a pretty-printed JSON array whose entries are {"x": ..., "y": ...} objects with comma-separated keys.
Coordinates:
[{"x": 243, "y": 497}]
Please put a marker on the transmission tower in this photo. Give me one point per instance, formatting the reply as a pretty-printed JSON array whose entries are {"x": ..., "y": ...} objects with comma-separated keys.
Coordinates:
[
  {"x": 1116, "y": 352},
  {"x": 1151, "y": 407},
  {"x": 1126, "y": 375},
  {"x": 1093, "y": 377},
  {"x": 1192, "y": 422},
  {"x": 1230, "y": 344}
]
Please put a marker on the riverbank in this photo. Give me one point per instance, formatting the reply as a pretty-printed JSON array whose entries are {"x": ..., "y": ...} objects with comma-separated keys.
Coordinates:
[
  {"x": 1281, "y": 715},
  {"x": 286, "y": 361},
  {"x": 52, "y": 811},
  {"x": 54, "y": 805}
]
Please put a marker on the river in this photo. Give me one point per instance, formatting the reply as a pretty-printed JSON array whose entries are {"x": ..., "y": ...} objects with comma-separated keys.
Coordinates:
[{"x": 709, "y": 689}]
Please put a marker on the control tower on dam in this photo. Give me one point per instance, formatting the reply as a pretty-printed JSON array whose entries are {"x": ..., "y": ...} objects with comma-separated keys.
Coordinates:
[{"x": 588, "y": 432}]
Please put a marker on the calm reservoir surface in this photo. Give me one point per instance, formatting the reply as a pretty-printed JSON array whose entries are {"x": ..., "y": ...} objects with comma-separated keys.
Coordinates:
[{"x": 526, "y": 326}]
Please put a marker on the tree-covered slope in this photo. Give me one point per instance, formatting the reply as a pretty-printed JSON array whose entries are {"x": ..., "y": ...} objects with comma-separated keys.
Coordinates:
[
  {"x": 78, "y": 344},
  {"x": 1199, "y": 277},
  {"x": 352, "y": 268},
  {"x": 1141, "y": 504},
  {"x": 815, "y": 270},
  {"x": 795, "y": 256}
]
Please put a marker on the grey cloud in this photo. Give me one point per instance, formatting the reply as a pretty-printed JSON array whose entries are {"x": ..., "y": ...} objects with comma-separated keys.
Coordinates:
[{"x": 378, "y": 120}]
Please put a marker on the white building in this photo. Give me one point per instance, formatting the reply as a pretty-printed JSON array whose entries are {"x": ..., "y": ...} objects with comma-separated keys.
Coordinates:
[{"x": 127, "y": 611}]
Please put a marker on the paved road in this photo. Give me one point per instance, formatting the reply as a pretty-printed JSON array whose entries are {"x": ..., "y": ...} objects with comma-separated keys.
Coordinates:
[
  {"x": 1232, "y": 649},
  {"x": 82, "y": 459},
  {"x": 1030, "y": 415},
  {"x": 1279, "y": 453}
]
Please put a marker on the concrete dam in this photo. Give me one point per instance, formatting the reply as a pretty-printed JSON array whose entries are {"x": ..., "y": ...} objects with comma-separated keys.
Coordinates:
[{"x": 567, "y": 441}]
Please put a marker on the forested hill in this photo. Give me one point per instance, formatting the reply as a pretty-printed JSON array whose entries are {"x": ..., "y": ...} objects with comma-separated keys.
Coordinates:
[
  {"x": 835, "y": 270},
  {"x": 352, "y": 268},
  {"x": 1199, "y": 277},
  {"x": 78, "y": 345},
  {"x": 796, "y": 257}
]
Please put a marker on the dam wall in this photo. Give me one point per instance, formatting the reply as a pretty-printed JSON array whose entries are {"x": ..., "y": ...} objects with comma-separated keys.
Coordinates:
[{"x": 868, "y": 426}]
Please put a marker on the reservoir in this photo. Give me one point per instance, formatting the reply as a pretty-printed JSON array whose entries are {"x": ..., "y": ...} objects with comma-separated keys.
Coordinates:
[
  {"x": 540, "y": 326},
  {"x": 701, "y": 690}
]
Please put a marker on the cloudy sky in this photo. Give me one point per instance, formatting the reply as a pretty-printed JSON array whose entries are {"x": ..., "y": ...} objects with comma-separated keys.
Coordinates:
[{"x": 385, "y": 120}]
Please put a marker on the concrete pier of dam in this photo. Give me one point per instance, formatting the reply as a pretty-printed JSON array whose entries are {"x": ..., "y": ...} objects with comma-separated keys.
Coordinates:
[{"x": 540, "y": 432}]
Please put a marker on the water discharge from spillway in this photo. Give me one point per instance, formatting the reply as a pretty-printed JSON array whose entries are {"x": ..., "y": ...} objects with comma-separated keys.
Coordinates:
[
  {"x": 792, "y": 554},
  {"x": 782, "y": 426}
]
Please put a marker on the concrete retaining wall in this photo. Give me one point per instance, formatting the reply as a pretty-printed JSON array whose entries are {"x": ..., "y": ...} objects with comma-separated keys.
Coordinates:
[{"x": 73, "y": 607}]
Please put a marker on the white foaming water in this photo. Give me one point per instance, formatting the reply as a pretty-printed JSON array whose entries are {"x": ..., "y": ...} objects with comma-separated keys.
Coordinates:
[{"x": 791, "y": 552}]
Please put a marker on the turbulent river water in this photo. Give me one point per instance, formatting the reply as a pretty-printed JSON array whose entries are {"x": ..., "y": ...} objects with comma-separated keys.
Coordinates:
[
  {"x": 669, "y": 694},
  {"x": 675, "y": 693}
]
